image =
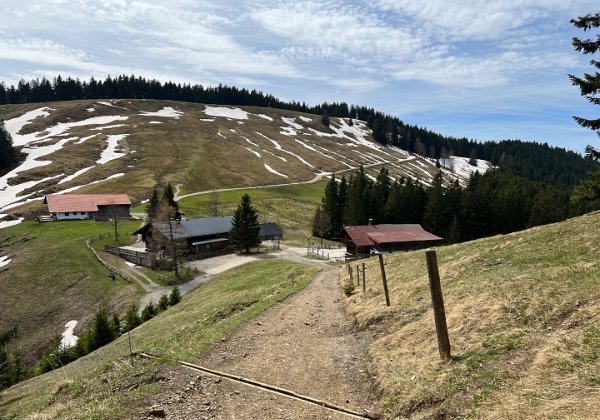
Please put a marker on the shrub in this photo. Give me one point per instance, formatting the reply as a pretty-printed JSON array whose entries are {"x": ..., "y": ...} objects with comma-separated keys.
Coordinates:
[{"x": 175, "y": 297}]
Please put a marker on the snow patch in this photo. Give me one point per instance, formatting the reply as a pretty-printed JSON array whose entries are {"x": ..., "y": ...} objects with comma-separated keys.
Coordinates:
[
  {"x": 264, "y": 116},
  {"x": 276, "y": 144},
  {"x": 130, "y": 264},
  {"x": 106, "y": 127},
  {"x": 273, "y": 171},
  {"x": 288, "y": 131},
  {"x": 253, "y": 151},
  {"x": 165, "y": 112},
  {"x": 14, "y": 125},
  {"x": 84, "y": 139},
  {"x": 75, "y": 175},
  {"x": 4, "y": 260},
  {"x": 68, "y": 339},
  {"x": 68, "y": 190},
  {"x": 111, "y": 152},
  {"x": 226, "y": 112},
  {"x": 207, "y": 119},
  {"x": 90, "y": 109},
  {"x": 250, "y": 141},
  {"x": 9, "y": 223},
  {"x": 305, "y": 119},
  {"x": 155, "y": 122},
  {"x": 292, "y": 123}
]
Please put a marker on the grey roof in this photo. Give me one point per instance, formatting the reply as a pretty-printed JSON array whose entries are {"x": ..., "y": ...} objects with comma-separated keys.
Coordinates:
[
  {"x": 269, "y": 229},
  {"x": 193, "y": 228}
]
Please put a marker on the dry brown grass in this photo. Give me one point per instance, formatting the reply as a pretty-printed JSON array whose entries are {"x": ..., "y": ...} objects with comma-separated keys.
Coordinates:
[{"x": 523, "y": 313}]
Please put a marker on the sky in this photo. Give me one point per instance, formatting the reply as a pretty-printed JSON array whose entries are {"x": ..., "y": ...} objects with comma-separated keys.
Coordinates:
[{"x": 486, "y": 70}]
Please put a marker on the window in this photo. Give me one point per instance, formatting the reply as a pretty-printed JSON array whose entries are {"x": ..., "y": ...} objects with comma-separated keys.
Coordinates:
[
  {"x": 66, "y": 213},
  {"x": 83, "y": 213}
]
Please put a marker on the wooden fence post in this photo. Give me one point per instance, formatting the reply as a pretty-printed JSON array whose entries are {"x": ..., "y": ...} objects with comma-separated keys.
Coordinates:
[
  {"x": 357, "y": 276},
  {"x": 437, "y": 301},
  {"x": 364, "y": 278},
  {"x": 385, "y": 287},
  {"x": 351, "y": 273}
]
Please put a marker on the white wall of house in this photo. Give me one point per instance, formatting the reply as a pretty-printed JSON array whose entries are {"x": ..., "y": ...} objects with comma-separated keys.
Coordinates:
[{"x": 77, "y": 215}]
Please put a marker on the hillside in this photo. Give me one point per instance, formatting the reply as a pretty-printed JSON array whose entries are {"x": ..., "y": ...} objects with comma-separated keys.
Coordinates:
[
  {"x": 132, "y": 145},
  {"x": 523, "y": 313}
]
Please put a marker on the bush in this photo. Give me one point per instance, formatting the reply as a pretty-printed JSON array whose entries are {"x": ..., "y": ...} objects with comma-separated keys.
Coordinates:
[
  {"x": 175, "y": 297},
  {"x": 349, "y": 288},
  {"x": 163, "y": 303},
  {"x": 132, "y": 319},
  {"x": 148, "y": 312}
]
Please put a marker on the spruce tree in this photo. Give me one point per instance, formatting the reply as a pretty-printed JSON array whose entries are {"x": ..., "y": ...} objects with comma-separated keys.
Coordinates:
[
  {"x": 589, "y": 84},
  {"x": 329, "y": 208},
  {"x": 175, "y": 296},
  {"x": 244, "y": 226},
  {"x": 103, "y": 330},
  {"x": 325, "y": 119},
  {"x": 8, "y": 155},
  {"x": 168, "y": 197},
  {"x": 152, "y": 205}
]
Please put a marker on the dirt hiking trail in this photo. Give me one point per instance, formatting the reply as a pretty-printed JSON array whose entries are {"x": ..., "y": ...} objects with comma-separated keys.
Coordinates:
[{"x": 304, "y": 344}]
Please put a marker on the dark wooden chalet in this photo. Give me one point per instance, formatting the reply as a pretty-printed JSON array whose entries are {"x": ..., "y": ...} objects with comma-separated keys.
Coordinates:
[
  {"x": 197, "y": 236},
  {"x": 364, "y": 240}
]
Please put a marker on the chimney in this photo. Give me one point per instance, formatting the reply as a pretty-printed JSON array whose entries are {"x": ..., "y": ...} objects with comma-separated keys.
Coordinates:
[{"x": 370, "y": 222}]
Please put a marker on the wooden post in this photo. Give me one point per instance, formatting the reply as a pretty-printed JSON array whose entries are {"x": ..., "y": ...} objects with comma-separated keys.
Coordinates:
[
  {"x": 357, "y": 276},
  {"x": 437, "y": 300},
  {"x": 364, "y": 279},
  {"x": 385, "y": 287},
  {"x": 351, "y": 275}
]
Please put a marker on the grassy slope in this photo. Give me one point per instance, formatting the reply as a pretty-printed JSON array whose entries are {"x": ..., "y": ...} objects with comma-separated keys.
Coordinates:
[
  {"x": 104, "y": 385},
  {"x": 53, "y": 278},
  {"x": 523, "y": 313},
  {"x": 291, "y": 206},
  {"x": 198, "y": 155}
]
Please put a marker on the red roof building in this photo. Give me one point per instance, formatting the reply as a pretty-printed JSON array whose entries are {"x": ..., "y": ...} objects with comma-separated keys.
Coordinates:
[
  {"x": 363, "y": 240},
  {"x": 88, "y": 206}
]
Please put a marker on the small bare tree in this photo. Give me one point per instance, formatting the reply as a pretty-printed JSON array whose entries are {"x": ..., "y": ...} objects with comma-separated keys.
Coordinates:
[
  {"x": 214, "y": 204},
  {"x": 165, "y": 213},
  {"x": 321, "y": 223}
]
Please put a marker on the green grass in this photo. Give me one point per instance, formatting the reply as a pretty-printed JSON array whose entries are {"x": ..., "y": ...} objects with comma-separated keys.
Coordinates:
[
  {"x": 54, "y": 278},
  {"x": 105, "y": 385},
  {"x": 291, "y": 206},
  {"x": 523, "y": 313}
]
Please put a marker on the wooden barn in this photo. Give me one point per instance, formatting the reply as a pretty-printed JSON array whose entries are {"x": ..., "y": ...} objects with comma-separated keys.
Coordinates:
[
  {"x": 364, "y": 240},
  {"x": 88, "y": 206},
  {"x": 197, "y": 236}
]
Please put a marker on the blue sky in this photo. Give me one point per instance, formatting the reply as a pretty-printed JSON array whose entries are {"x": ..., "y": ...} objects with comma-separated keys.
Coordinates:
[{"x": 488, "y": 70}]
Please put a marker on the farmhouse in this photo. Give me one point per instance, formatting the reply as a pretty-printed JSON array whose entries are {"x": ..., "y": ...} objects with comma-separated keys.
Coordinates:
[
  {"x": 363, "y": 240},
  {"x": 197, "y": 236},
  {"x": 88, "y": 206}
]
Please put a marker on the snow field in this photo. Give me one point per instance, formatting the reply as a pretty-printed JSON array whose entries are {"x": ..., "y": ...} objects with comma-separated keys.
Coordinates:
[
  {"x": 165, "y": 112},
  {"x": 226, "y": 112}
]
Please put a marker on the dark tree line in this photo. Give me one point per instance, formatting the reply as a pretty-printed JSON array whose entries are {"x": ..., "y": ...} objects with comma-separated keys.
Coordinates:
[{"x": 496, "y": 202}]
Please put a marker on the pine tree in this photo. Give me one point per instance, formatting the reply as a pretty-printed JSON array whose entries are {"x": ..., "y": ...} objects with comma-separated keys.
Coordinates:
[
  {"x": 325, "y": 119},
  {"x": 244, "y": 226},
  {"x": 175, "y": 296},
  {"x": 589, "y": 84},
  {"x": 132, "y": 319},
  {"x": 168, "y": 197},
  {"x": 163, "y": 303},
  {"x": 340, "y": 210},
  {"x": 8, "y": 155},
  {"x": 103, "y": 330},
  {"x": 359, "y": 199},
  {"x": 152, "y": 205},
  {"x": 329, "y": 207},
  {"x": 381, "y": 191}
]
